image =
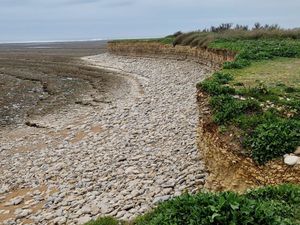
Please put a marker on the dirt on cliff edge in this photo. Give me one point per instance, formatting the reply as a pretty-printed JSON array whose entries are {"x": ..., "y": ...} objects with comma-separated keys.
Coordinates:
[{"x": 229, "y": 169}]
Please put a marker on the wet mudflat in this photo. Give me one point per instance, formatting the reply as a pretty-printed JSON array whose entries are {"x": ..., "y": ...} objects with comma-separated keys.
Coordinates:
[{"x": 40, "y": 78}]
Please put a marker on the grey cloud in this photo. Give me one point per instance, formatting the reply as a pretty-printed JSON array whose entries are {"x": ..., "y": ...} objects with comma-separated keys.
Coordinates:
[
  {"x": 36, "y": 3},
  {"x": 71, "y": 19},
  {"x": 120, "y": 3}
]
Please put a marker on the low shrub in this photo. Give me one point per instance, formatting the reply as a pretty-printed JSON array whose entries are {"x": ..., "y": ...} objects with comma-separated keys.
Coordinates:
[
  {"x": 213, "y": 87},
  {"x": 248, "y": 122},
  {"x": 226, "y": 108},
  {"x": 215, "y": 84},
  {"x": 274, "y": 139},
  {"x": 287, "y": 193},
  {"x": 270, "y": 205},
  {"x": 256, "y": 91},
  {"x": 238, "y": 64},
  {"x": 222, "y": 78},
  {"x": 104, "y": 221}
]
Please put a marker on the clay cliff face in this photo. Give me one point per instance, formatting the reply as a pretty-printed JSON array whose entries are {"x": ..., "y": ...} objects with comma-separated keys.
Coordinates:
[{"x": 210, "y": 57}]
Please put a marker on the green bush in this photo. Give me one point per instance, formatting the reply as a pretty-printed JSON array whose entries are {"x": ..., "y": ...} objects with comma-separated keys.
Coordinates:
[
  {"x": 226, "y": 108},
  {"x": 255, "y": 50},
  {"x": 287, "y": 193},
  {"x": 238, "y": 64},
  {"x": 274, "y": 139},
  {"x": 214, "y": 88},
  {"x": 248, "y": 122},
  {"x": 104, "y": 221},
  {"x": 215, "y": 84},
  {"x": 256, "y": 91},
  {"x": 222, "y": 78},
  {"x": 271, "y": 205}
]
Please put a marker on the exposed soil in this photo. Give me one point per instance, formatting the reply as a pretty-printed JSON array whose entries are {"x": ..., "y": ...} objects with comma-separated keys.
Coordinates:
[{"x": 229, "y": 168}]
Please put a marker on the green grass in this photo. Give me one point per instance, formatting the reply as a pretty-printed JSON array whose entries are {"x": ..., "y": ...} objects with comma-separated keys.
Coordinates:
[
  {"x": 277, "y": 72},
  {"x": 250, "y": 51},
  {"x": 270, "y": 205}
]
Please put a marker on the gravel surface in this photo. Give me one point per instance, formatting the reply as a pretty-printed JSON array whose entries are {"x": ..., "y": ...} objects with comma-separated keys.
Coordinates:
[{"x": 119, "y": 158}]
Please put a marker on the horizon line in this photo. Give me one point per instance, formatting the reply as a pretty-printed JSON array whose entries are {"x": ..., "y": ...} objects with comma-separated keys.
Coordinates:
[{"x": 50, "y": 41}]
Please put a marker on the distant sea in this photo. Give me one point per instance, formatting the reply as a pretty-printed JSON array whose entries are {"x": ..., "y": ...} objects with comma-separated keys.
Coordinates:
[{"x": 47, "y": 41}]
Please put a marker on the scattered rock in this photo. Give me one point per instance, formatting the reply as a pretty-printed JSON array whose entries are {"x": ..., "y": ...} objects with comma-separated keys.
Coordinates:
[
  {"x": 297, "y": 152},
  {"x": 83, "y": 219},
  {"x": 105, "y": 209},
  {"x": 127, "y": 207},
  {"x": 291, "y": 160},
  {"x": 161, "y": 199},
  {"x": 4, "y": 211},
  {"x": 4, "y": 189},
  {"x": 60, "y": 220},
  {"x": 84, "y": 210},
  {"x": 9, "y": 222},
  {"x": 21, "y": 213},
  {"x": 16, "y": 200}
]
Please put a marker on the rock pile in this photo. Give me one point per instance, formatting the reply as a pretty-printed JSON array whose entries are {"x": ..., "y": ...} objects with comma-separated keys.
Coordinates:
[{"x": 119, "y": 159}]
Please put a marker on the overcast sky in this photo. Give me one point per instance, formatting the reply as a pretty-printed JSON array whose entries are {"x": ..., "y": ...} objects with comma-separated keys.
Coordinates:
[{"x": 40, "y": 20}]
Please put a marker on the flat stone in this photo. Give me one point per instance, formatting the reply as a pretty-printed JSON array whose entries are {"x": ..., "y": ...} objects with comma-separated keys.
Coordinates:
[
  {"x": 120, "y": 214},
  {"x": 17, "y": 201},
  {"x": 297, "y": 152},
  {"x": 168, "y": 185},
  {"x": 95, "y": 210},
  {"x": 4, "y": 212},
  {"x": 105, "y": 208},
  {"x": 21, "y": 213},
  {"x": 128, "y": 207},
  {"x": 161, "y": 199},
  {"x": 84, "y": 210},
  {"x": 131, "y": 169},
  {"x": 60, "y": 220},
  {"x": 84, "y": 219},
  {"x": 291, "y": 160},
  {"x": 9, "y": 222}
]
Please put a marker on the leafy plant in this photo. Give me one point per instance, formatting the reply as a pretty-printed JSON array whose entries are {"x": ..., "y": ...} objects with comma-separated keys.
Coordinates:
[
  {"x": 215, "y": 85},
  {"x": 226, "y": 108},
  {"x": 270, "y": 205},
  {"x": 238, "y": 64},
  {"x": 104, "y": 221},
  {"x": 274, "y": 139}
]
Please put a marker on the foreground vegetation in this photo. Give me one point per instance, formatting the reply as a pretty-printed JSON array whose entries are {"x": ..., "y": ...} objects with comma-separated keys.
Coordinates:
[{"x": 269, "y": 205}]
